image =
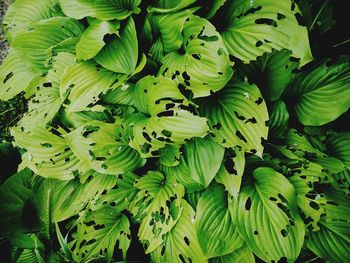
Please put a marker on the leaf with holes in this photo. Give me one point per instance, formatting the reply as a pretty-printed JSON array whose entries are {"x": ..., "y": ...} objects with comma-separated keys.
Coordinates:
[
  {"x": 266, "y": 207},
  {"x": 157, "y": 207},
  {"x": 237, "y": 117},
  {"x": 255, "y": 27}
]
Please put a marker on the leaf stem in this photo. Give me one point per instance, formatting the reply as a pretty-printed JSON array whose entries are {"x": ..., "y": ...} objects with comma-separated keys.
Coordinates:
[{"x": 318, "y": 14}]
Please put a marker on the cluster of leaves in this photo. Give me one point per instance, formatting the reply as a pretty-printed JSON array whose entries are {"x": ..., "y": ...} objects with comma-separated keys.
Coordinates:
[{"x": 192, "y": 128}]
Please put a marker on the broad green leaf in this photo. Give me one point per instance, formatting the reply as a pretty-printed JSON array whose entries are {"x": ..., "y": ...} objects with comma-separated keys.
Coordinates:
[
  {"x": 167, "y": 6},
  {"x": 121, "y": 195},
  {"x": 213, "y": 7},
  {"x": 241, "y": 255},
  {"x": 338, "y": 146},
  {"x": 91, "y": 41},
  {"x": 170, "y": 155},
  {"x": 104, "y": 147},
  {"x": 167, "y": 116},
  {"x": 15, "y": 76},
  {"x": 120, "y": 54},
  {"x": 23, "y": 13},
  {"x": 100, "y": 9},
  {"x": 271, "y": 72},
  {"x": 266, "y": 207},
  {"x": 322, "y": 94},
  {"x": 83, "y": 83},
  {"x": 14, "y": 194},
  {"x": 306, "y": 178},
  {"x": 279, "y": 119},
  {"x": 35, "y": 46},
  {"x": 342, "y": 181},
  {"x": 193, "y": 198},
  {"x": 216, "y": 232},
  {"x": 332, "y": 241},
  {"x": 98, "y": 232},
  {"x": 255, "y": 27},
  {"x": 43, "y": 107},
  {"x": 201, "y": 65},
  {"x": 231, "y": 171},
  {"x": 48, "y": 154},
  {"x": 157, "y": 207},
  {"x": 199, "y": 163},
  {"x": 123, "y": 95},
  {"x": 237, "y": 117},
  {"x": 181, "y": 243}
]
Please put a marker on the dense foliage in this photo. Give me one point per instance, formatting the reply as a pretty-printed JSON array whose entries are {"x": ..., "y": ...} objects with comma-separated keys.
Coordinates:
[{"x": 174, "y": 131}]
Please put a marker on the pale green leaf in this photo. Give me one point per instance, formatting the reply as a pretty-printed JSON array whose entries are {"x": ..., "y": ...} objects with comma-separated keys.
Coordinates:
[{"x": 241, "y": 255}]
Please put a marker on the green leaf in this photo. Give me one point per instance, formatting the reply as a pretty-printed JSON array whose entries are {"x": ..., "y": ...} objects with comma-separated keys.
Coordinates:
[
  {"x": 35, "y": 46},
  {"x": 100, "y": 9},
  {"x": 253, "y": 28},
  {"x": 43, "y": 107},
  {"x": 279, "y": 119},
  {"x": 216, "y": 232},
  {"x": 237, "y": 116},
  {"x": 167, "y": 6},
  {"x": 266, "y": 207},
  {"x": 213, "y": 7},
  {"x": 342, "y": 181},
  {"x": 48, "y": 154},
  {"x": 332, "y": 241},
  {"x": 121, "y": 53},
  {"x": 91, "y": 41},
  {"x": 170, "y": 155},
  {"x": 84, "y": 82},
  {"x": 123, "y": 95},
  {"x": 22, "y": 14},
  {"x": 157, "y": 207},
  {"x": 104, "y": 147},
  {"x": 242, "y": 255},
  {"x": 201, "y": 65},
  {"x": 323, "y": 90},
  {"x": 231, "y": 171},
  {"x": 14, "y": 194},
  {"x": 98, "y": 232},
  {"x": 271, "y": 72},
  {"x": 181, "y": 242},
  {"x": 15, "y": 76},
  {"x": 199, "y": 163},
  {"x": 167, "y": 116}
]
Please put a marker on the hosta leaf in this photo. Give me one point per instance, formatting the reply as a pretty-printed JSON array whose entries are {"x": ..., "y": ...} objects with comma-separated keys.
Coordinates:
[
  {"x": 158, "y": 207},
  {"x": 199, "y": 163},
  {"x": 121, "y": 195},
  {"x": 216, "y": 232},
  {"x": 47, "y": 101},
  {"x": 213, "y": 7},
  {"x": 332, "y": 241},
  {"x": 338, "y": 146},
  {"x": 104, "y": 147},
  {"x": 271, "y": 72},
  {"x": 306, "y": 178},
  {"x": 237, "y": 116},
  {"x": 170, "y": 118},
  {"x": 121, "y": 53},
  {"x": 98, "y": 232},
  {"x": 35, "y": 46},
  {"x": 170, "y": 155},
  {"x": 342, "y": 181},
  {"x": 48, "y": 154},
  {"x": 100, "y": 9},
  {"x": 279, "y": 119},
  {"x": 14, "y": 194},
  {"x": 166, "y": 6},
  {"x": 202, "y": 64},
  {"x": 231, "y": 171},
  {"x": 83, "y": 83},
  {"x": 256, "y": 27},
  {"x": 323, "y": 90},
  {"x": 15, "y": 76},
  {"x": 22, "y": 14},
  {"x": 91, "y": 41},
  {"x": 267, "y": 208},
  {"x": 242, "y": 255},
  {"x": 123, "y": 95},
  {"x": 181, "y": 243}
]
